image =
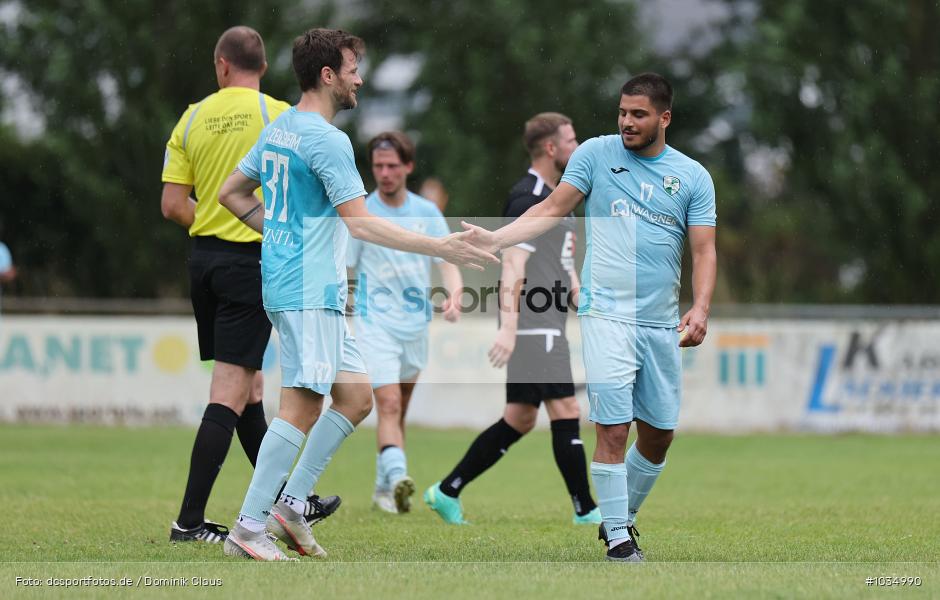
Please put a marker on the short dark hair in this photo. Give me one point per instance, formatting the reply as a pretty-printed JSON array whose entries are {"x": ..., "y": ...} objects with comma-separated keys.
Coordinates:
[
  {"x": 538, "y": 128},
  {"x": 318, "y": 48},
  {"x": 393, "y": 140},
  {"x": 242, "y": 47},
  {"x": 653, "y": 86}
]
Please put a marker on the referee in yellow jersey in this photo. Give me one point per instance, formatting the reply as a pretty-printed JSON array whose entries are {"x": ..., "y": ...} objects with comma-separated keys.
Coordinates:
[{"x": 224, "y": 269}]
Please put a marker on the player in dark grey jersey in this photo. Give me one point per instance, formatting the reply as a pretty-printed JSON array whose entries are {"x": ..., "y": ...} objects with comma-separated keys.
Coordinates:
[{"x": 538, "y": 281}]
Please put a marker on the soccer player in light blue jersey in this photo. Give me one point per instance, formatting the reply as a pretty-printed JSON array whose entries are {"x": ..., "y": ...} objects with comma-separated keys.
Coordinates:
[
  {"x": 642, "y": 199},
  {"x": 7, "y": 270},
  {"x": 392, "y": 309},
  {"x": 313, "y": 200}
]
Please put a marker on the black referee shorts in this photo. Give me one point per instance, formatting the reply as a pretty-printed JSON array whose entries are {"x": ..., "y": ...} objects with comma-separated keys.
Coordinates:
[
  {"x": 536, "y": 373},
  {"x": 225, "y": 287}
]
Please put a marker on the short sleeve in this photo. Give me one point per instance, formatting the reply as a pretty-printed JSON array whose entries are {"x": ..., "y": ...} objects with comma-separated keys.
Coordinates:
[
  {"x": 250, "y": 165},
  {"x": 176, "y": 165},
  {"x": 438, "y": 226},
  {"x": 580, "y": 169},
  {"x": 331, "y": 158},
  {"x": 702, "y": 201}
]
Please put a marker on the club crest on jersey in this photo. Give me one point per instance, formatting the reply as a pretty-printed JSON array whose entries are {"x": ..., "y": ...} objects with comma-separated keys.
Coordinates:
[{"x": 671, "y": 184}]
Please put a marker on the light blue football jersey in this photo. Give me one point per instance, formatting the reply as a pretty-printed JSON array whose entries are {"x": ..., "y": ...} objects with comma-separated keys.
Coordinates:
[
  {"x": 638, "y": 212},
  {"x": 306, "y": 169},
  {"x": 6, "y": 260},
  {"x": 393, "y": 286}
]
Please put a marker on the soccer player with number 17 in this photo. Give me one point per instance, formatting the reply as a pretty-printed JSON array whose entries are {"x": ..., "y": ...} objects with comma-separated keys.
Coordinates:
[{"x": 642, "y": 199}]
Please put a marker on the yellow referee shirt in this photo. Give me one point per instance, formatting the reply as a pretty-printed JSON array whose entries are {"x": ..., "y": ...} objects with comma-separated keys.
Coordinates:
[{"x": 205, "y": 147}]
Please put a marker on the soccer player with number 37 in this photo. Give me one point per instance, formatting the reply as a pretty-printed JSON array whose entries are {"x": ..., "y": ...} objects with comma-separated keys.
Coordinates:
[{"x": 314, "y": 199}]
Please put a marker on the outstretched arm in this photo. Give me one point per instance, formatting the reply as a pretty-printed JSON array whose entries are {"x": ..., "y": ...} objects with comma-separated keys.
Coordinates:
[
  {"x": 453, "y": 248},
  {"x": 533, "y": 222}
]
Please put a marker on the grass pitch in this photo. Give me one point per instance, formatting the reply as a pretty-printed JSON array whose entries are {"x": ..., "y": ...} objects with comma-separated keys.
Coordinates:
[{"x": 757, "y": 516}]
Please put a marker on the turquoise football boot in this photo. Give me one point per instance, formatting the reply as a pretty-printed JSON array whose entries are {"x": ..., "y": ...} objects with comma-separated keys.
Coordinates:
[
  {"x": 448, "y": 508},
  {"x": 592, "y": 518}
]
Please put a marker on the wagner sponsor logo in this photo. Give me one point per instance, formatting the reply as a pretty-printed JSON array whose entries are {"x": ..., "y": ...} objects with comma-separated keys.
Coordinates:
[
  {"x": 623, "y": 208},
  {"x": 879, "y": 373}
]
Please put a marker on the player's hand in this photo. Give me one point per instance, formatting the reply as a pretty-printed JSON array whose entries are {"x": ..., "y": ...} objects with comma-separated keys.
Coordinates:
[
  {"x": 457, "y": 249},
  {"x": 481, "y": 238},
  {"x": 575, "y": 299},
  {"x": 451, "y": 309},
  {"x": 502, "y": 348},
  {"x": 694, "y": 323}
]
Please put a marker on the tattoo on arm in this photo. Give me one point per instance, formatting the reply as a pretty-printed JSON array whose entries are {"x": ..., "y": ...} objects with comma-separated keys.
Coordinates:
[{"x": 250, "y": 213}]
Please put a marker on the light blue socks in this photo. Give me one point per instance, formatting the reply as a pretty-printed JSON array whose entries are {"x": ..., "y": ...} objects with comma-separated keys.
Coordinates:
[
  {"x": 394, "y": 466},
  {"x": 279, "y": 448},
  {"x": 610, "y": 484},
  {"x": 381, "y": 482},
  {"x": 325, "y": 438},
  {"x": 641, "y": 475}
]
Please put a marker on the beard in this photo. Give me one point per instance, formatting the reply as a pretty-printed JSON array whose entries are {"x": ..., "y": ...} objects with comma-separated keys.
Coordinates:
[
  {"x": 346, "y": 100},
  {"x": 643, "y": 143},
  {"x": 389, "y": 188}
]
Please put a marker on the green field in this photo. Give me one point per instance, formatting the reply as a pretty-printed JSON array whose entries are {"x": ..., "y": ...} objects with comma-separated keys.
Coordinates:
[{"x": 758, "y": 516}]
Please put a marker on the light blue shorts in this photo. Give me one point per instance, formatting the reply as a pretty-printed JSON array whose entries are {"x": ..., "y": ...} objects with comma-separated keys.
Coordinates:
[
  {"x": 633, "y": 372},
  {"x": 315, "y": 344},
  {"x": 388, "y": 359}
]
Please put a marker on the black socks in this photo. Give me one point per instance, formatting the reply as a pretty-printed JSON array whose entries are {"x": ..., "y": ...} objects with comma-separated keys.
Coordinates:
[
  {"x": 251, "y": 428},
  {"x": 483, "y": 453},
  {"x": 212, "y": 442},
  {"x": 569, "y": 456}
]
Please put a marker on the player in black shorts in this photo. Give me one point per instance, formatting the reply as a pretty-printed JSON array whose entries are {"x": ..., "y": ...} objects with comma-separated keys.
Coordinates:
[{"x": 537, "y": 281}]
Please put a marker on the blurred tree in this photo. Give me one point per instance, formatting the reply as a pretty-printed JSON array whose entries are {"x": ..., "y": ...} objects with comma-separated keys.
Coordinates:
[
  {"x": 109, "y": 80},
  {"x": 488, "y": 66},
  {"x": 846, "y": 96},
  {"x": 817, "y": 121}
]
